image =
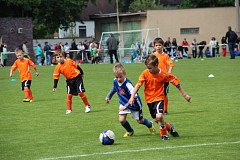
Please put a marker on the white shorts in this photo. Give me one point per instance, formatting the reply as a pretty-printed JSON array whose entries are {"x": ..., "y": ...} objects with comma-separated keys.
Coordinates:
[{"x": 137, "y": 115}]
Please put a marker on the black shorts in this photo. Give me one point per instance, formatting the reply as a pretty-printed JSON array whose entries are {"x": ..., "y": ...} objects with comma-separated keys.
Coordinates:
[
  {"x": 75, "y": 85},
  {"x": 155, "y": 108},
  {"x": 26, "y": 83}
]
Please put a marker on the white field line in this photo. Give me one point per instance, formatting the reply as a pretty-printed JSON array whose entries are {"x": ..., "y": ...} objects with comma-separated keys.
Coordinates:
[{"x": 141, "y": 150}]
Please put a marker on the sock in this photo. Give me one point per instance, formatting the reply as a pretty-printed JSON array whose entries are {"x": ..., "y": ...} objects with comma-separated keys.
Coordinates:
[
  {"x": 165, "y": 104},
  {"x": 168, "y": 126},
  {"x": 147, "y": 123},
  {"x": 127, "y": 126},
  {"x": 26, "y": 92},
  {"x": 69, "y": 101},
  {"x": 163, "y": 131},
  {"x": 84, "y": 98},
  {"x": 30, "y": 94}
]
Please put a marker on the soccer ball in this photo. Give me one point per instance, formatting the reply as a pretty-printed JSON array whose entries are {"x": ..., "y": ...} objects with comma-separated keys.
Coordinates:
[{"x": 107, "y": 137}]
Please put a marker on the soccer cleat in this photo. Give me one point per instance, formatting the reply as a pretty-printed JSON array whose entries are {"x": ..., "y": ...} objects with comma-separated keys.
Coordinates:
[
  {"x": 87, "y": 109},
  {"x": 173, "y": 132},
  {"x": 128, "y": 134},
  {"x": 27, "y": 100},
  {"x": 165, "y": 137},
  {"x": 68, "y": 111},
  {"x": 152, "y": 129}
]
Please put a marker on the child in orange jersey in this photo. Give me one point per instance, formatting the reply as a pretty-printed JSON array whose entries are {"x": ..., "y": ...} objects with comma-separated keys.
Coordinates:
[
  {"x": 73, "y": 74},
  {"x": 164, "y": 63},
  {"x": 154, "y": 79},
  {"x": 22, "y": 64}
]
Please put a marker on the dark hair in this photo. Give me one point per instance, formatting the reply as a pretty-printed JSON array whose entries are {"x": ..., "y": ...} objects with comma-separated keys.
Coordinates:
[
  {"x": 151, "y": 60},
  {"x": 158, "y": 40}
]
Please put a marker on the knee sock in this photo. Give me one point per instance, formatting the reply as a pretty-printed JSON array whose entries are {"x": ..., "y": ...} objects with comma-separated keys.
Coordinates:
[
  {"x": 168, "y": 126},
  {"x": 165, "y": 104},
  {"x": 30, "y": 94},
  {"x": 26, "y": 92},
  {"x": 84, "y": 98},
  {"x": 147, "y": 123},
  {"x": 69, "y": 101},
  {"x": 163, "y": 129},
  {"x": 127, "y": 126}
]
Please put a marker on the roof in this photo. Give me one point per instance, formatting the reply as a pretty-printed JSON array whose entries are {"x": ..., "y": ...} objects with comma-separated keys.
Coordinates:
[{"x": 108, "y": 15}]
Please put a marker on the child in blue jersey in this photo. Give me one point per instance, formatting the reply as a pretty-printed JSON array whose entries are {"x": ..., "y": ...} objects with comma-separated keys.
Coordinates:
[{"x": 124, "y": 87}]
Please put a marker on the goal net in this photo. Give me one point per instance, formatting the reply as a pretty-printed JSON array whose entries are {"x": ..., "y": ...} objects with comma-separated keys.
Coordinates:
[{"x": 134, "y": 44}]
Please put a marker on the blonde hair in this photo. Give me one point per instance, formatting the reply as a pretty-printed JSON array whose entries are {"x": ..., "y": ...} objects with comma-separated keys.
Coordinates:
[
  {"x": 119, "y": 69},
  {"x": 58, "y": 53}
]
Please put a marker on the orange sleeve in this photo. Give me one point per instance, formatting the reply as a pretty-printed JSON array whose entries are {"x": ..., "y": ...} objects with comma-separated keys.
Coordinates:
[
  {"x": 56, "y": 72},
  {"x": 14, "y": 66},
  {"x": 169, "y": 62},
  {"x": 31, "y": 63}
]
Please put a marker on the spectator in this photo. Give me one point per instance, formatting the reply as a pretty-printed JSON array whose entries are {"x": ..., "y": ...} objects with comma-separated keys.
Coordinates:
[
  {"x": 213, "y": 44},
  {"x": 112, "y": 44},
  {"x": 194, "y": 48},
  {"x": 49, "y": 54},
  {"x": 224, "y": 46},
  {"x": 185, "y": 46},
  {"x": 201, "y": 46},
  {"x": 231, "y": 38}
]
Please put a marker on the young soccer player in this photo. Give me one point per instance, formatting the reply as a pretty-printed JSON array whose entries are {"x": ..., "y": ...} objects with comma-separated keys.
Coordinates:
[
  {"x": 164, "y": 63},
  {"x": 74, "y": 80},
  {"x": 123, "y": 87},
  {"x": 154, "y": 79},
  {"x": 22, "y": 64}
]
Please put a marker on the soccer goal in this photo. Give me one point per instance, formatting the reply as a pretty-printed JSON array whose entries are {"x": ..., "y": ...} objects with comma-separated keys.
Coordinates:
[{"x": 134, "y": 44}]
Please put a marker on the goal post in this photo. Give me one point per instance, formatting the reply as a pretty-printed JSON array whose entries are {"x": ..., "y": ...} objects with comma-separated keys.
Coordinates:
[{"x": 134, "y": 44}]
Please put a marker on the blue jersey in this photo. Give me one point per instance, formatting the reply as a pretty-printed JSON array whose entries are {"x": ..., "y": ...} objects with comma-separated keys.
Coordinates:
[{"x": 124, "y": 92}]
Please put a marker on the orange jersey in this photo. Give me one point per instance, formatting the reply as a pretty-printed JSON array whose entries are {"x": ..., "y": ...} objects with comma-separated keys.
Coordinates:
[
  {"x": 24, "y": 69},
  {"x": 68, "y": 69},
  {"x": 164, "y": 61},
  {"x": 154, "y": 84}
]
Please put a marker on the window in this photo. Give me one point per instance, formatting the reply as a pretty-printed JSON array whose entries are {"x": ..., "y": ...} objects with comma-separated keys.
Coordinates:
[
  {"x": 189, "y": 30},
  {"x": 82, "y": 32}
]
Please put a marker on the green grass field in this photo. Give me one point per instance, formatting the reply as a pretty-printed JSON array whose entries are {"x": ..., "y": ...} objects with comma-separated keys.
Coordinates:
[{"x": 209, "y": 127}]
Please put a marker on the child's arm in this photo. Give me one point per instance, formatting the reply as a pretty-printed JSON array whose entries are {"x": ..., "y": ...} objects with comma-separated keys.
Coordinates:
[
  {"x": 11, "y": 73},
  {"x": 184, "y": 94},
  {"x": 131, "y": 100},
  {"x": 110, "y": 94},
  {"x": 36, "y": 71},
  {"x": 55, "y": 83}
]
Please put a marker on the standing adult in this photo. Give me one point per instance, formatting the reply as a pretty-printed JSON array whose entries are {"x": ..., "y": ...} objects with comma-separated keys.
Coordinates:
[
  {"x": 112, "y": 44},
  {"x": 49, "y": 54},
  {"x": 231, "y": 38}
]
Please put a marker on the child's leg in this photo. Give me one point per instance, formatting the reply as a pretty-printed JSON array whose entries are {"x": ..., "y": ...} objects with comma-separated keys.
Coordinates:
[
  {"x": 162, "y": 124},
  {"x": 26, "y": 92},
  {"x": 124, "y": 122},
  {"x": 69, "y": 101},
  {"x": 84, "y": 99},
  {"x": 165, "y": 104}
]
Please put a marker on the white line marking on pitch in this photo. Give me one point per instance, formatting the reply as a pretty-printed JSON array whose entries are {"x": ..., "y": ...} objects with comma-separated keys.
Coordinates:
[{"x": 141, "y": 150}]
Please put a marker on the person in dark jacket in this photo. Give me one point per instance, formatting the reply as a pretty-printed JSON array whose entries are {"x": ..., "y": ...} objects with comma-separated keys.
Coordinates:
[
  {"x": 112, "y": 44},
  {"x": 231, "y": 38}
]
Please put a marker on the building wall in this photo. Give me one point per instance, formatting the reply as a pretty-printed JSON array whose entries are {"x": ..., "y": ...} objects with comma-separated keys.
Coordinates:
[
  {"x": 74, "y": 31},
  {"x": 212, "y": 22},
  {"x": 15, "y": 31}
]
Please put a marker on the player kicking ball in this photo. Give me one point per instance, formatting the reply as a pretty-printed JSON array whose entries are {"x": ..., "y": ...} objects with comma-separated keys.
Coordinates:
[
  {"x": 124, "y": 88},
  {"x": 153, "y": 79}
]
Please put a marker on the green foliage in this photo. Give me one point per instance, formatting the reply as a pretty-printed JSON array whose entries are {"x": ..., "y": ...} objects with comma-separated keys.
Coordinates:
[
  {"x": 41, "y": 129},
  {"x": 142, "y": 5},
  {"x": 47, "y": 15},
  {"x": 205, "y": 3}
]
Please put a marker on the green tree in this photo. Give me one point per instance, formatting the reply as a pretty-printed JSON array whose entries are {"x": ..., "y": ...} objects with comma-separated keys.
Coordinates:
[
  {"x": 47, "y": 15},
  {"x": 143, "y": 5},
  {"x": 205, "y": 3}
]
